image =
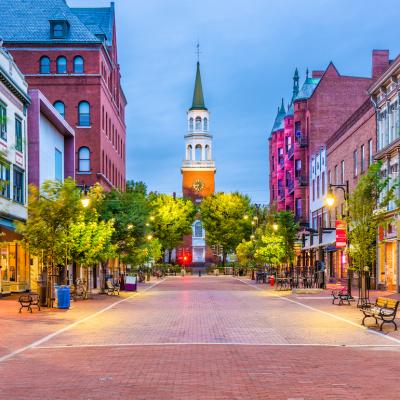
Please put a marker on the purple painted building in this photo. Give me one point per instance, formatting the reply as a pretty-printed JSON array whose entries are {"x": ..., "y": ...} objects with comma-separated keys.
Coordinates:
[{"x": 51, "y": 142}]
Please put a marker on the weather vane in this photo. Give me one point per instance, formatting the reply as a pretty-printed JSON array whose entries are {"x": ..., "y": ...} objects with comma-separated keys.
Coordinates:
[{"x": 198, "y": 52}]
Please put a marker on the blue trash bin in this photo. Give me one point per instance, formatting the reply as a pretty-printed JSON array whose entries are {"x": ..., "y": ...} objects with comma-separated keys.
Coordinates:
[{"x": 63, "y": 297}]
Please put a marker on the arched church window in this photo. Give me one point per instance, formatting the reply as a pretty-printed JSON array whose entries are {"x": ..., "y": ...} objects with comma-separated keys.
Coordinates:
[
  {"x": 198, "y": 229},
  {"x": 208, "y": 155},
  {"x": 198, "y": 123},
  {"x": 205, "y": 121},
  {"x": 198, "y": 152},
  {"x": 189, "y": 152},
  {"x": 191, "y": 124}
]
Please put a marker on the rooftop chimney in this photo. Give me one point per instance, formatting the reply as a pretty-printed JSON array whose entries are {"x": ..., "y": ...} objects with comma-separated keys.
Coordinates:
[{"x": 380, "y": 61}]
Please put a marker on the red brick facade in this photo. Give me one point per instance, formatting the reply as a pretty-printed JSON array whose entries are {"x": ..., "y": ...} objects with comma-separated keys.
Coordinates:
[{"x": 99, "y": 85}]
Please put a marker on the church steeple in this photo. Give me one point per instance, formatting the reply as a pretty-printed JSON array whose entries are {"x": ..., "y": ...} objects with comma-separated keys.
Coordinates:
[
  {"x": 198, "y": 98},
  {"x": 295, "y": 84}
]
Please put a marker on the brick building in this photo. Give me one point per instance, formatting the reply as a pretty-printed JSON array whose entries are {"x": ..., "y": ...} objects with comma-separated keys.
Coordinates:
[
  {"x": 323, "y": 103},
  {"x": 385, "y": 96},
  {"x": 70, "y": 54},
  {"x": 348, "y": 153}
]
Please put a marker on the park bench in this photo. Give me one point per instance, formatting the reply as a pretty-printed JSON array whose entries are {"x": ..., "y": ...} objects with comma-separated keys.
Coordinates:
[
  {"x": 29, "y": 300},
  {"x": 342, "y": 295},
  {"x": 112, "y": 288},
  {"x": 384, "y": 309},
  {"x": 78, "y": 290}
]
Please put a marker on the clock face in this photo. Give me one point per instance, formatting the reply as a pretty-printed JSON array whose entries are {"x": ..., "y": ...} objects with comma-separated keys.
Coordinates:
[{"x": 198, "y": 185}]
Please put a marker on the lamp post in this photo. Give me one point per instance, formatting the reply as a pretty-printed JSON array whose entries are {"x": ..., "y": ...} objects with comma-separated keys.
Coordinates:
[
  {"x": 330, "y": 201},
  {"x": 85, "y": 200}
]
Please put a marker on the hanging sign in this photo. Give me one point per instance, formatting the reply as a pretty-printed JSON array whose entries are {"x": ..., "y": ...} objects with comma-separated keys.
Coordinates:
[{"x": 341, "y": 236}]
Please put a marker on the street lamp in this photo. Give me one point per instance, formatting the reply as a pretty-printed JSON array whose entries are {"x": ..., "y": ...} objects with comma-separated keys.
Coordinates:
[
  {"x": 275, "y": 226},
  {"x": 85, "y": 200},
  {"x": 252, "y": 237},
  {"x": 152, "y": 218},
  {"x": 149, "y": 237},
  {"x": 246, "y": 217},
  {"x": 330, "y": 201}
]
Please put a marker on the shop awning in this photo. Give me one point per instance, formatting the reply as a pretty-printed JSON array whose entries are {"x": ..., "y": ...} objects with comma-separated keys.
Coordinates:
[{"x": 7, "y": 223}]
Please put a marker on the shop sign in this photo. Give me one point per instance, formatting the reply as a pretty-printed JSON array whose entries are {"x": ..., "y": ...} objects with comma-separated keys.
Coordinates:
[{"x": 341, "y": 237}]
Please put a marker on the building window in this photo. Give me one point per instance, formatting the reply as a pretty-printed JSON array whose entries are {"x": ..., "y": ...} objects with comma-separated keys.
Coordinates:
[
  {"x": 58, "y": 31},
  {"x": 44, "y": 65},
  {"x": 370, "y": 152},
  {"x": 362, "y": 158},
  {"x": 329, "y": 177},
  {"x": 198, "y": 229},
  {"x": 198, "y": 152},
  {"x": 298, "y": 208},
  {"x": 355, "y": 162},
  {"x": 208, "y": 152},
  {"x": 5, "y": 180},
  {"x": 191, "y": 124},
  {"x": 60, "y": 107},
  {"x": 78, "y": 65},
  {"x": 198, "y": 123},
  {"x": 273, "y": 163},
  {"x": 3, "y": 122},
  {"x": 18, "y": 186},
  {"x": 336, "y": 175},
  {"x": 84, "y": 114},
  {"x": 61, "y": 65},
  {"x": 280, "y": 157},
  {"x": 342, "y": 172},
  {"x": 323, "y": 183},
  {"x": 318, "y": 181},
  {"x": 84, "y": 159},
  {"x": 205, "y": 124},
  {"x": 18, "y": 134},
  {"x": 58, "y": 165},
  {"x": 313, "y": 189},
  {"x": 298, "y": 168}
]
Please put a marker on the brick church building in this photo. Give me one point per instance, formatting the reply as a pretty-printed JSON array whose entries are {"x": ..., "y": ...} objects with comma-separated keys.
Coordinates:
[
  {"x": 198, "y": 176},
  {"x": 70, "y": 54}
]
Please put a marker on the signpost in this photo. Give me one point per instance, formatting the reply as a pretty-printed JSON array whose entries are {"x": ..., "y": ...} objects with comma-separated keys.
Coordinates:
[{"x": 341, "y": 235}]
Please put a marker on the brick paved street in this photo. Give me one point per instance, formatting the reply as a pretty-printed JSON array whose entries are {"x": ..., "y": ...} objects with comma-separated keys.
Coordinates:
[{"x": 197, "y": 338}]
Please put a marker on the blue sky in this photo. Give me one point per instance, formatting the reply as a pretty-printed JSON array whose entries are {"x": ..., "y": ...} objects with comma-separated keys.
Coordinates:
[{"x": 250, "y": 49}]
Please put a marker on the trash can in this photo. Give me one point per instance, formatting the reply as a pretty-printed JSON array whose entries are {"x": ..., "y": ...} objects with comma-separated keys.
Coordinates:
[{"x": 63, "y": 297}]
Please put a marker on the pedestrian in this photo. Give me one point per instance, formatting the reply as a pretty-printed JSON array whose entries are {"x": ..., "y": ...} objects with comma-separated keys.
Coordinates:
[{"x": 199, "y": 272}]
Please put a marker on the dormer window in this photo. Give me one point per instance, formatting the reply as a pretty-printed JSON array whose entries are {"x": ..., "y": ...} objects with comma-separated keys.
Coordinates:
[{"x": 59, "y": 29}]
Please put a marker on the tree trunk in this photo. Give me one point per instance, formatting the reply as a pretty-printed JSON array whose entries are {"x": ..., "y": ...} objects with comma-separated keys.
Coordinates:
[
  {"x": 224, "y": 259},
  {"x": 169, "y": 256}
]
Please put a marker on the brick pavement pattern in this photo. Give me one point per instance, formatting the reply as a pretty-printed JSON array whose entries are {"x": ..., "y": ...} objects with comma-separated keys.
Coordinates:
[{"x": 199, "y": 338}]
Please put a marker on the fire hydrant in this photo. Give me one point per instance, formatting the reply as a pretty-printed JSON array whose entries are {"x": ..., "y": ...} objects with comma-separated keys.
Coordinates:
[{"x": 271, "y": 281}]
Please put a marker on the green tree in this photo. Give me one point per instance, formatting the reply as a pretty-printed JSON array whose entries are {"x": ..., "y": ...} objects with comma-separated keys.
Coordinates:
[
  {"x": 171, "y": 219},
  {"x": 130, "y": 212},
  {"x": 227, "y": 220},
  {"x": 51, "y": 212},
  {"x": 287, "y": 228},
  {"x": 270, "y": 248},
  {"x": 90, "y": 240},
  {"x": 372, "y": 193},
  {"x": 245, "y": 251}
]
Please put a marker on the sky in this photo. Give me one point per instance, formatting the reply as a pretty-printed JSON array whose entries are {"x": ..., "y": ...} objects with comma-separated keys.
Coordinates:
[{"x": 249, "y": 50}]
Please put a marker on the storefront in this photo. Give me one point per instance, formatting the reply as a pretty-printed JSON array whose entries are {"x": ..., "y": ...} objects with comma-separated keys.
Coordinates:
[
  {"x": 388, "y": 257},
  {"x": 14, "y": 261}
]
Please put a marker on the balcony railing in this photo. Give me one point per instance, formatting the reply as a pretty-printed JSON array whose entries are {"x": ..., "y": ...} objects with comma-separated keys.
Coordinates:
[
  {"x": 281, "y": 162},
  {"x": 290, "y": 152},
  {"x": 302, "y": 180},
  {"x": 281, "y": 194},
  {"x": 301, "y": 139},
  {"x": 290, "y": 185},
  {"x": 198, "y": 164}
]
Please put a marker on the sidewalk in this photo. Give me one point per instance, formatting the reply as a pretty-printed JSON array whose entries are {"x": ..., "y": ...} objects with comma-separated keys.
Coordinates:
[
  {"x": 322, "y": 302},
  {"x": 21, "y": 329}
]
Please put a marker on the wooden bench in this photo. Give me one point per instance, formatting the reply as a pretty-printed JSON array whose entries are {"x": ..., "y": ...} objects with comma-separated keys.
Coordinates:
[
  {"x": 112, "y": 288},
  {"x": 29, "y": 300},
  {"x": 384, "y": 309},
  {"x": 342, "y": 295}
]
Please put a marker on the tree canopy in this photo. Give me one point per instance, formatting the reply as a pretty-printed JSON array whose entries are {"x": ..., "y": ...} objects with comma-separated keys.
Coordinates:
[{"x": 227, "y": 220}]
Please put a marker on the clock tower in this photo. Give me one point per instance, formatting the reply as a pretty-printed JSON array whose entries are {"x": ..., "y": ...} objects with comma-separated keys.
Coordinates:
[
  {"x": 198, "y": 167},
  {"x": 198, "y": 172}
]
